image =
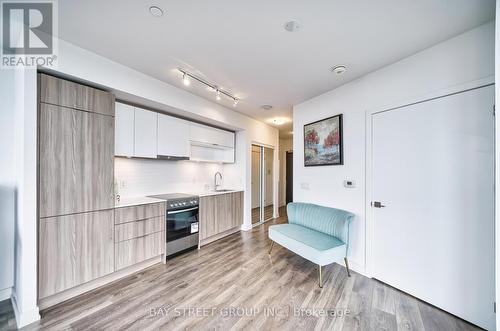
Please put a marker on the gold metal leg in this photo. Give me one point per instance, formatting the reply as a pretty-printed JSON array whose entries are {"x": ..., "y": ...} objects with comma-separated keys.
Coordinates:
[
  {"x": 320, "y": 277},
  {"x": 347, "y": 267},
  {"x": 272, "y": 245}
]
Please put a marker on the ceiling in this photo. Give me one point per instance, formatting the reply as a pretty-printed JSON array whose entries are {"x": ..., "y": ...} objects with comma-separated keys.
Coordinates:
[{"x": 242, "y": 46}]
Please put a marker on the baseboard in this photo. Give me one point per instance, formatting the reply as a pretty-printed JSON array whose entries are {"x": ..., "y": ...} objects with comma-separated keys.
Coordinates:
[
  {"x": 6, "y": 293},
  {"x": 24, "y": 318},
  {"x": 246, "y": 227},
  {"x": 360, "y": 269}
]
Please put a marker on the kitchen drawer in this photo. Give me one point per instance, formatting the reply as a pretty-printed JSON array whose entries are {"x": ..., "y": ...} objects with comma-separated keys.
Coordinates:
[
  {"x": 140, "y": 212},
  {"x": 136, "y": 250},
  {"x": 130, "y": 230},
  {"x": 60, "y": 92}
]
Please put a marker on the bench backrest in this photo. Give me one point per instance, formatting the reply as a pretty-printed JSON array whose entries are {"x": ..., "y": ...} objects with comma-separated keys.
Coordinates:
[{"x": 332, "y": 221}]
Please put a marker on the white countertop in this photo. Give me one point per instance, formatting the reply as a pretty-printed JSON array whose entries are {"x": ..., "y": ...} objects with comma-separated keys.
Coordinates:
[
  {"x": 209, "y": 193},
  {"x": 136, "y": 201}
]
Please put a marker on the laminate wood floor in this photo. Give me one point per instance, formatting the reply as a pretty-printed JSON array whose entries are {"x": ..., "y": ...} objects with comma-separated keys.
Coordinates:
[
  {"x": 268, "y": 213},
  {"x": 228, "y": 284}
]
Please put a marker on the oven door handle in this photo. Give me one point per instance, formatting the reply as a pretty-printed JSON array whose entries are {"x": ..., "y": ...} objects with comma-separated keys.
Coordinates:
[{"x": 181, "y": 211}]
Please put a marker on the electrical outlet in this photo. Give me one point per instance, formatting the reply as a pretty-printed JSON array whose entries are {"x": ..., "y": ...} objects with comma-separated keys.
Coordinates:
[{"x": 304, "y": 186}]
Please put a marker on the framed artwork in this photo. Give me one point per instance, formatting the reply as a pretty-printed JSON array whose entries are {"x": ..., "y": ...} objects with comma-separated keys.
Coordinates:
[{"x": 323, "y": 142}]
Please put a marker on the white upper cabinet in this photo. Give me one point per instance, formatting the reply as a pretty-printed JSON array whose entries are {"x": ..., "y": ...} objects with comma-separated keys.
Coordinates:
[
  {"x": 145, "y": 133},
  {"x": 148, "y": 134},
  {"x": 124, "y": 130},
  {"x": 173, "y": 137},
  {"x": 206, "y": 135}
]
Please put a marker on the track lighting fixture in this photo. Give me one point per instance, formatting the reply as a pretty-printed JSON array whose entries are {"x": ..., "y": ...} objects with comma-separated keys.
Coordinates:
[{"x": 186, "y": 80}]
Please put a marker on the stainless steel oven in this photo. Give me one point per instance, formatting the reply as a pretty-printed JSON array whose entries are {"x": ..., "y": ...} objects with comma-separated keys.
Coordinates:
[{"x": 181, "y": 222}]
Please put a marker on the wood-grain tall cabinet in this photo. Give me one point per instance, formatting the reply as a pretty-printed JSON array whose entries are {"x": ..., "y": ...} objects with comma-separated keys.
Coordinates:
[{"x": 75, "y": 184}]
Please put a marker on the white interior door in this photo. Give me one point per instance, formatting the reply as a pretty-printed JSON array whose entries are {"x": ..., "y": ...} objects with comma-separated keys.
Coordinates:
[{"x": 433, "y": 169}]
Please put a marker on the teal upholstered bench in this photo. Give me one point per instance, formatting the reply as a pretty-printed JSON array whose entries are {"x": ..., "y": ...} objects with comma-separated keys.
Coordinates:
[{"x": 318, "y": 234}]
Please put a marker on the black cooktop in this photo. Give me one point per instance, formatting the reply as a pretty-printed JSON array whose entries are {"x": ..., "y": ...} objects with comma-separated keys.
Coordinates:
[{"x": 173, "y": 196}]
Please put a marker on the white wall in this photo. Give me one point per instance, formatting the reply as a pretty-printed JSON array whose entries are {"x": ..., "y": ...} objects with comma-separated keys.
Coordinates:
[
  {"x": 24, "y": 295},
  {"x": 497, "y": 161},
  {"x": 286, "y": 145},
  {"x": 463, "y": 59},
  {"x": 7, "y": 182}
]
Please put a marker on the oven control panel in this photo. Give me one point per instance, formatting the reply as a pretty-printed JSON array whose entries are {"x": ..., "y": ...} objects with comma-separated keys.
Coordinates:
[{"x": 182, "y": 203}]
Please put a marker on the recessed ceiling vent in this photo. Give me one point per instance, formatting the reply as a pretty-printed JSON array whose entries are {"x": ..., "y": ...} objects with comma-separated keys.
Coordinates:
[
  {"x": 156, "y": 11},
  {"x": 292, "y": 26},
  {"x": 266, "y": 107},
  {"x": 339, "y": 70}
]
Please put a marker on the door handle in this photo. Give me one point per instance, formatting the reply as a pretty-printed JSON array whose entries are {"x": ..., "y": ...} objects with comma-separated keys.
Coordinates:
[{"x": 377, "y": 204}]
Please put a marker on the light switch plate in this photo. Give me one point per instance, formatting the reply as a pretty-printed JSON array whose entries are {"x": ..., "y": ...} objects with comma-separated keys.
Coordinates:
[{"x": 304, "y": 186}]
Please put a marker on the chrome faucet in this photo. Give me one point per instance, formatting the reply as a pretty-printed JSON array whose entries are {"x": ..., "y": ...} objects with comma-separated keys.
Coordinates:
[{"x": 215, "y": 180}]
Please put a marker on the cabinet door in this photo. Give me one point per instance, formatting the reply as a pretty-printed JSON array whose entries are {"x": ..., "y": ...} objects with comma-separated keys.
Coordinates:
[
  {"x": 173, "y": 136},
  {"x": 211, "y": 136},
  {"x": 124, "y": 130},
  {"x": 75, "y": 160},
  {"x": 65, "y": 93},
  {"x": 145, "y": 133},
  {"x": 208, "y": 221},
  {"x": 226, "y": 138},
  {"x": 224, "y": 212},
  {"x": 139, "y": 249},
  {"x": 237, "y": 209},
  {"x": 74, "y": 249}
]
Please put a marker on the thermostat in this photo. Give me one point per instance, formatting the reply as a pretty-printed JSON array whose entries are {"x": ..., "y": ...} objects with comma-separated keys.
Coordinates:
[{"x": 349, "y": 183}]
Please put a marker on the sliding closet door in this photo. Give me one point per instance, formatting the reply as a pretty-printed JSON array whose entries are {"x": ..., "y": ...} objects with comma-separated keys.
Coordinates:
[
  {"x": 268, "y": 171},
  {"x": 262, "y": 184},
  {"x": 256, "y": 181},
  {"x": 433, "y": 174}
]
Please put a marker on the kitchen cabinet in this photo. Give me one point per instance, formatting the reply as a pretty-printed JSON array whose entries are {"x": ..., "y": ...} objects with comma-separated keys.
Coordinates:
[
  {"x": 139, "y": 212},
  {"x": 209, "y": 136},
  {"x": 148, "y": 134},
  {"x": 207, "y": 217},
  {"x": 173, "y": 137},
  {"x": 76, "y": 165},
  {"x": 130, "y": 252},
  {"x": 219, "y": 214},
  {"x": 210, "y": 154},
  {"x": 65, "y": 93},
  {"x": 139, "y": 233},
  {"x": 124, "y": 130},
  {"x": 145, "y": 133},
  {"x": 75, "y": 185},
  {"x": 74, "y": 249},
  {"x": 140, "y": 228}
]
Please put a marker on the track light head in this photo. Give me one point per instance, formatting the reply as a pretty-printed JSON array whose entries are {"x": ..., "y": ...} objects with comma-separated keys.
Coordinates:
[
  {"x": 218, "y": 96},
  {"x": 235, "y": 103},
  {"x": 185, "y": 80}
]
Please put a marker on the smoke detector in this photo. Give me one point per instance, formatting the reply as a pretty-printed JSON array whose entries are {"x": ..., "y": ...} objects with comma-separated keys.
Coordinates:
[
  {"x": 292, "y": 26},
  {"x": 339, "y": 70}
]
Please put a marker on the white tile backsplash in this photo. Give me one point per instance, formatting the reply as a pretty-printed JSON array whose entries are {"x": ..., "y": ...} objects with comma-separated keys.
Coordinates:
[{"x": 141, "y": 177}]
